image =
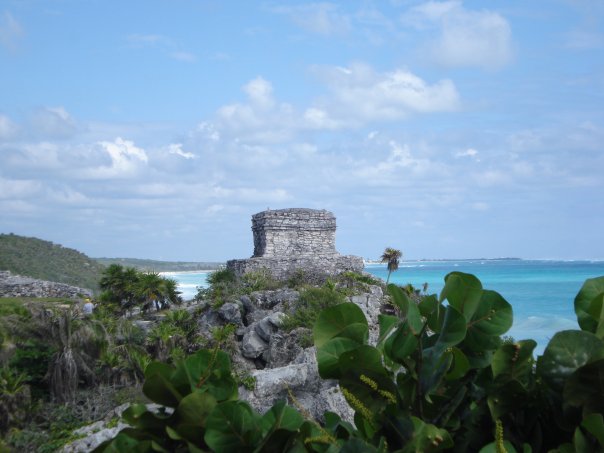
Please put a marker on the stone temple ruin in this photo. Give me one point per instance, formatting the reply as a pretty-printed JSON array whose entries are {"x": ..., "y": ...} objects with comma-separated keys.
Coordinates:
[{"x": 287, "y": 241}]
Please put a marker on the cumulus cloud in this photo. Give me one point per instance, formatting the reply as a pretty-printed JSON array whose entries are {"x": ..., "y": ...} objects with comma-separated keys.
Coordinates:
[
  {"x": 11, "y": 32},
  {"x": 465, "y": 37},
  {"x": 362, "y": 95},
  {"x": 320, "y": 18},
  {"x": 126, "y": 159},
  {"x": 356, "y": 95}
]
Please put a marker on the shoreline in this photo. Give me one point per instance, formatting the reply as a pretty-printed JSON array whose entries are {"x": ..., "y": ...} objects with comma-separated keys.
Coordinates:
[{"x": 201, "y": 271}]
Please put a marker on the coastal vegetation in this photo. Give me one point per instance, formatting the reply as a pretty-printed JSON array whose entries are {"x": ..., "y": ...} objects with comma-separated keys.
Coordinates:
[
  {"x": 392, "y": 258},
  {"x": 161, "y": 266},
  {"x": 441, "y": 378},
  {"x": 44, "y": 260},
  {"x": 126, "y": 288},
  {"x": 440, "y": 375}
]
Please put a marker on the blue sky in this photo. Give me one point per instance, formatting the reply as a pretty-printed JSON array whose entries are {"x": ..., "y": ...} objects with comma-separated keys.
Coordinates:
[{"x": 447, "y": 129}]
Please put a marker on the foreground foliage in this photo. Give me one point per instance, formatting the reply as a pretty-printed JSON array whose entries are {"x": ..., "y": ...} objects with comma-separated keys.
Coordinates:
[{"x": 440, "y": 379}]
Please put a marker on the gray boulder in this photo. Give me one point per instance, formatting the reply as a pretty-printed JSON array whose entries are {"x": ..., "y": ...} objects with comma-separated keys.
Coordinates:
[{"x": 252, "y": 345}]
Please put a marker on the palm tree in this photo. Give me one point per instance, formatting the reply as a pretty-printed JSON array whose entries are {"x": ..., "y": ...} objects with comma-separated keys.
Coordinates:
[
  {"x": 150, "y": 288},
  {"x": 392, "y": 257}
]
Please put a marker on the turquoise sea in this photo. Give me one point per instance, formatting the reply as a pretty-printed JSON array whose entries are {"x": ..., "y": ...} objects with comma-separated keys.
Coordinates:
[{"x": 541, "y": 292}]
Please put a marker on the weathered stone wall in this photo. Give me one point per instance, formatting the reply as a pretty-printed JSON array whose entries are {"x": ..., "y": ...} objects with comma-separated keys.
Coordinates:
[
  {"x": 17, "y": 286},
  {"x": 294, "y": 232},
  {"x": 287, "y": 241}
]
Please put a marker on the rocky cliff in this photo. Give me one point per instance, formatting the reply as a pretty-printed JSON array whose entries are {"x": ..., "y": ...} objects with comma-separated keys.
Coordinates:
[{"x": 17, "y": 286}]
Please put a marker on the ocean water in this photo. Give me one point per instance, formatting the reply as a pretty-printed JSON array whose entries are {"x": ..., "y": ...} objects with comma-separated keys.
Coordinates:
[
  {"x": 188, "y": 282},
  {"x": 541, "y": 292}
]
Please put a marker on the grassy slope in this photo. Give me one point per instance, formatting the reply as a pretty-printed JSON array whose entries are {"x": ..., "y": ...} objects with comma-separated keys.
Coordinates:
[
  {"x": 44, "y": 260},
  {"x": 159, "y": 266}
]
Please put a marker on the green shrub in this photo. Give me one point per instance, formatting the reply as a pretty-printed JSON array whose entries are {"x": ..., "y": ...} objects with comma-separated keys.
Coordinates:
[{"x": 310, "y": 303}]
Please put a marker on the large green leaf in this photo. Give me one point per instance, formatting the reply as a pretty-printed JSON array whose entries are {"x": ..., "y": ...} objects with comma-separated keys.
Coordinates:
[
  {"x": 463, "y": 291},
  {"x": 344, "y": 320},
  {"x": 492, "y": 318},
  {"x": 192, "y": 413},
  {"x": 585, "y": 387},
  {"x": 427, "y": 438},
  {"x": 401, "y": 343},
  {"x": 232, "y": 427},
  {"x": 588, "y": 292},
  {"x": 594, "y": 424},
  {"x": 208, "y": 370},
  {"x": 453, "y": 330},
  {"x": 596, "y": 311},
  {"x": 434, "y": 368},
  {"x": 387, "y": 325},
  {"x": 158, "y": 386},
  {"x": 460, "y": 365},
  {"x": 328, "y": 356},
  {"x": 514, "y": 361},
  {"x": 277, "y": 426},
  {"x": 567, "y": 351},
  {"x": 507, "y": 398},
  {"x": 409, "y": 309}
]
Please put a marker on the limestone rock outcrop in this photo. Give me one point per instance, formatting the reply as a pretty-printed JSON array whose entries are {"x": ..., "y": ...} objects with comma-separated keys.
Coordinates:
[{"x": 17, "y": 286}]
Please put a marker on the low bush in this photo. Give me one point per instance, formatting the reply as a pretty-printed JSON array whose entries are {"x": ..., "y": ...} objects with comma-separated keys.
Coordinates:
[{"x": 310, "y": 303}]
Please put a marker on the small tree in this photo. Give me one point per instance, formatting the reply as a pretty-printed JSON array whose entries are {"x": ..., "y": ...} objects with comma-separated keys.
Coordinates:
[{"x": 392, "y": 257}]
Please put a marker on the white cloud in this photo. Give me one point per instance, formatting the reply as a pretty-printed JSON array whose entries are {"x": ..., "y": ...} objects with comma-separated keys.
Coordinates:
[
  {"x": 18, "y": 188},
  {"x": 187, "y": 57},
  {"x": 126, "y": 160},
  {"x": 176, "y": 148},
  {"x": 162, "y": 43},
  {"x": 356, "y": 96},
  {"x": 470, "y": 152},
  {"x": 7, "y": 128},
  {"x": 10, "y": 32},
  {"x": 53, "y": 122},
  {"x": 361, "y": 95},
  {"x": 319, "y": 18},
  {"x": 467, "y": 38}
]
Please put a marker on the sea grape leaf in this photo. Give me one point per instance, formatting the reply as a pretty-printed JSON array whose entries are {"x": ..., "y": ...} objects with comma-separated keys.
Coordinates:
[
  {"x": 508, "y": 398},
  {"x": 463, "y": 291},
  {"x": 460, "y": 365},
  {"x": 387, "y": 325},
  {"x": 453, "y": 330},
  {"x": 427, "y": 437},
  {"x": 514, "y": 361},
  {"x": 588, "y": 292},
  {"x": 594, "y": 424},
  {"x": 585, "y": 387},
  {"x": 329, "y": 354},
  {"x": 192, "y": 413},
  {"x": 158, "y": 386},
  {"x": 277, "y": 426},
  {"x": 401, "y": 343},
  {"x": 596, "y": 311},
  {"x": 232, "y": 426},
  {"x": 492, "y": 318},
  {"x": 567, "y": 351},
  {"x": 409, "y": 309},
  {"x": 343, "y": 320}
]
